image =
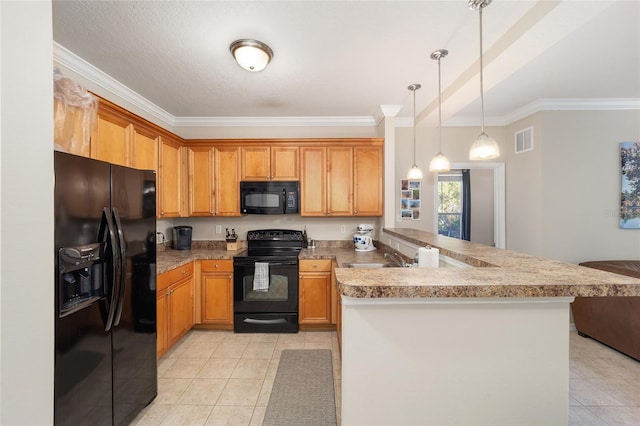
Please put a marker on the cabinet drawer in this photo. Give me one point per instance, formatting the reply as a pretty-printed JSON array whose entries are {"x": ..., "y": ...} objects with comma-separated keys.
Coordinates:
[
  {"x": 315, "y": 265},
  {"x": 166, "y": 279},
  {"x": 217, "y": 265}
]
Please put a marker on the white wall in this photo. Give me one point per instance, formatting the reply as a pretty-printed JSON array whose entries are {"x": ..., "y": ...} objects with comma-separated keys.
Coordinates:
[
  {"x": 26, "y": 215},
  {"x": 563, "y": 198},
  {"x": 318, "y": 228},
  {"x": 524, "y": 189},
  {"x": 482, "y": 206},
  {"x": 581, "y": 185}
]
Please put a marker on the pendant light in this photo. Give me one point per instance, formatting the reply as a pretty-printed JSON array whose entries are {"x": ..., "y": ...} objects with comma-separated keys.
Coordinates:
[
  {"x": 485, "y": 147},
  {"x": 440, "y": 163},
  {"x": 414, "y": 172}
]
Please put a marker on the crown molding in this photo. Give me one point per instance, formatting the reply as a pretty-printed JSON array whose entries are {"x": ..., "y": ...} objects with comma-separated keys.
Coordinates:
[
  {"x": 70, "y": 60},
  {"x": 329, "y": 121}
]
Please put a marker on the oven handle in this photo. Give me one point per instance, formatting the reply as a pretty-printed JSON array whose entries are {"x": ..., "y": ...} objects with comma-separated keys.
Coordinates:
[
  {"x": 270, "y": 321},
  {"x": 292, "y": 263}
]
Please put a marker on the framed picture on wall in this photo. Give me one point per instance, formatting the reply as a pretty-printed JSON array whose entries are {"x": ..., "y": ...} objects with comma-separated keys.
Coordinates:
[
  {"x": 410, "y": 199},
  {"x": 630, "y": 194}
]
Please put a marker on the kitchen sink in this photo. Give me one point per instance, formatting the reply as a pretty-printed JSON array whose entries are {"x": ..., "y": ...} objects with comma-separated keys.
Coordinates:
[{"x": 369, "y": 265}]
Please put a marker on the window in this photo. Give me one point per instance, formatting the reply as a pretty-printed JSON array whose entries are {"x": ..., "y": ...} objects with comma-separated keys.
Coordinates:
[{"x": 450, "y": 203}]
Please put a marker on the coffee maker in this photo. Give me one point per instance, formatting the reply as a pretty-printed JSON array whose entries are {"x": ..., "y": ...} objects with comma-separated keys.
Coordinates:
[{"x": 362, "y": 239}]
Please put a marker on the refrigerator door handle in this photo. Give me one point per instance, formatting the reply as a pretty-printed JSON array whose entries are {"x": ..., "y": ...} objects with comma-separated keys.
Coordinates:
[
  {"x": 106, "y": 225},
  {"x": 123, "y": 266}
]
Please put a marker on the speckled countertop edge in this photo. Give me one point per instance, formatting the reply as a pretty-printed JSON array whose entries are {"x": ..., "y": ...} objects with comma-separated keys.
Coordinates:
[{"x": 503, "y": 273}]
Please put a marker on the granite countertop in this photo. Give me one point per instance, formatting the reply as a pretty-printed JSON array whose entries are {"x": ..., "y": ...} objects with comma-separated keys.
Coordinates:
[
  {"x": 498, "y": 273},
  {"x": 169, "y": 259}
]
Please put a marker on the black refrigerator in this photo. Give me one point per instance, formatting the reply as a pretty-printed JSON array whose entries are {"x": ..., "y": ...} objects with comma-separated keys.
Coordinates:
[{"x": 105, "y": 298}]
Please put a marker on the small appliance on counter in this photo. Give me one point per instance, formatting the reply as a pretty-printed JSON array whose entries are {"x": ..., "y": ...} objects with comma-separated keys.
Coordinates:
[
  {"x": 182, "y": 237},
  {"x": 362, "y": 239}
]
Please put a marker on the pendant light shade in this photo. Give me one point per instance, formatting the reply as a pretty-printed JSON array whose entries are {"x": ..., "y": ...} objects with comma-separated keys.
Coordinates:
[
  {"x": 414, "y": 172},
  {"x": 252, "y": 55},
  {"x": 440, "y": 163},
  {"x": 485, "y": 147}
]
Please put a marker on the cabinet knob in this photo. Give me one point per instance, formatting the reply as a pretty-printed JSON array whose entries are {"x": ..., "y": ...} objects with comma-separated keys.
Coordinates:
[
  {"x": 217, "y": 266},
  {"x": 184, "y": 271},
  {"x": 315, "y": 265}
]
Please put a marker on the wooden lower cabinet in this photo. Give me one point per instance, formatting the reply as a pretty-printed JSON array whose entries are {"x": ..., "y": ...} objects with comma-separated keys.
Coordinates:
[
  {"x": 174, "y": 306},
  {"x": 217, "y": 292},
  {"x": 315, "y": 294}
]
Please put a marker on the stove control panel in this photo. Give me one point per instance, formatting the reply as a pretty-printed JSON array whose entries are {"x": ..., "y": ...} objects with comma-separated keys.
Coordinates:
[{"x": 274, "y": 235}]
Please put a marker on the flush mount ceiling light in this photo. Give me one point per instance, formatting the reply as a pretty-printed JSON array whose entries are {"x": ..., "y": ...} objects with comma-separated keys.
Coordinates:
[
  {"x": 485, "y": 147},
  {"x": 414, "y": 172},
  {"x": 252, "y": 55},
  {"x": 440, "y": 163}
]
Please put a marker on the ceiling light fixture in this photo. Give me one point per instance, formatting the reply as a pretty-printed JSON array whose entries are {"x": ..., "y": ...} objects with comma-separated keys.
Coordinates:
[
  {"x": 414, "y": 172},
  {"x": 440, "y": 163},
  {"x": 252, "y": 55},
  {"x": 485, "y": 147}
]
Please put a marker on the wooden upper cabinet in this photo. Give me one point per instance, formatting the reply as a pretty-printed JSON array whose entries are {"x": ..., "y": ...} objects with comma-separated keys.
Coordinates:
[
  {"x": 313, "y": 177},
  {"x": 213, "y": 180},
  {"x": 227, "y": 181},
  {"x": 144, "y": 150},
  {"x": 269, "y": 163},
  {"x": 339, "y": 181},
  {"x": 284, "y": 163},
  {"x": 367, "y": 193},
  {"x": 170, "y": 189},
  {"x": 120, "y": 137},
  {"x": 200, "y": 161},
  {"x": 110, "y": 140}
]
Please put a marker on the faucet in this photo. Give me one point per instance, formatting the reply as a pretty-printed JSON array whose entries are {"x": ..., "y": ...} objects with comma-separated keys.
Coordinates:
[{"x": 397, "y": 259}]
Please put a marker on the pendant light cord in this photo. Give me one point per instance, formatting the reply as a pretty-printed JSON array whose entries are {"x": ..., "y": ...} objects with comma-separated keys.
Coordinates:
[
  {"x": 440, "y": 104},
  {"x": 481, "y": 69},
  {"x": 414, "y": 126}
]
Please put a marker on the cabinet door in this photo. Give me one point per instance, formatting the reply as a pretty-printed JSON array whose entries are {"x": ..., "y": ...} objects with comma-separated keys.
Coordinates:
[
  {"x": 162, "y": 322},
  {"x": 170, "y": 179},
  {"x": 200, "y": 162},
  {"x": 313, "y": 181},
  {"x": 339, "y": 181},
  {"x": 217, "y": 292},
  {"x": 284, "y": 163},
  {"x": 367, "y": 194},
  {"x": 227, "y": 181},
  {"x": 315, "y": 298},
  {"x": 255, "y": 163},
  {"x": 110, "y": 138},
  {"x": 180, "y": 309},
  {"x": 144, "y": 151}
]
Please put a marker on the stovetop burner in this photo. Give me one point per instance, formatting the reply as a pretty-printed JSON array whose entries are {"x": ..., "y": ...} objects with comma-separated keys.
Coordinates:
[{"x": 270, "y": 243}]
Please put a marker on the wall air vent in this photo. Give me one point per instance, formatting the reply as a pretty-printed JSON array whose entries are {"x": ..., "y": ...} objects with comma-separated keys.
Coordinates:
[{"x": 524, "y": 140}]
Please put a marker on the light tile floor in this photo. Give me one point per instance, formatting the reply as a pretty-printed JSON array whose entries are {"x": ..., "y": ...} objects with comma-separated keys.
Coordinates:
[{"x": 218, "y": 377}]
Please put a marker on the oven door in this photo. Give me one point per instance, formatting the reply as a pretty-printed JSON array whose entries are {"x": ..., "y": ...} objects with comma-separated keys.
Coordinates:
[{"x": 282, "y": 292}]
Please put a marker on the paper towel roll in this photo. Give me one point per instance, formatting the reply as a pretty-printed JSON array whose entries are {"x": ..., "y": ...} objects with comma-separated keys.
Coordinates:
[{"x": 428, "y": 257}]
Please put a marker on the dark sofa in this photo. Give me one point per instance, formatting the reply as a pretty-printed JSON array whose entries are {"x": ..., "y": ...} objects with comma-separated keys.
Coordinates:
[{"x": 614, "y": 321}]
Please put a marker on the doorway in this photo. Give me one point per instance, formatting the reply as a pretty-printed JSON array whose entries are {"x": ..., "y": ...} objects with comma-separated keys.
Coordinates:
[{"x": 487, "y": 203}]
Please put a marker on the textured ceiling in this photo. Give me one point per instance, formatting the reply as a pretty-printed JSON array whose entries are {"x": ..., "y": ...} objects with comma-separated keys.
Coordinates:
[{"x": 347, "y": 58}]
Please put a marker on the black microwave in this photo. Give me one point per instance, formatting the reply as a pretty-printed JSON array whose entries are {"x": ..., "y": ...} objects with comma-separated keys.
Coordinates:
[{"x": 272, "y": 197}]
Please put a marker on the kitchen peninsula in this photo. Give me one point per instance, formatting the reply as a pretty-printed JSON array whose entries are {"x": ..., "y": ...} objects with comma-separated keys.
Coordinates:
[{"x": 484, "y": 345}]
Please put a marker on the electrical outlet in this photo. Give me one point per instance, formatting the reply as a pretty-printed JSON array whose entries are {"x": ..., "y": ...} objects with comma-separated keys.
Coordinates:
[
  {"x": 343, "y": 229},
  {"x": 218, "y": 229},
  {"x": 397, "y": 246}
]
